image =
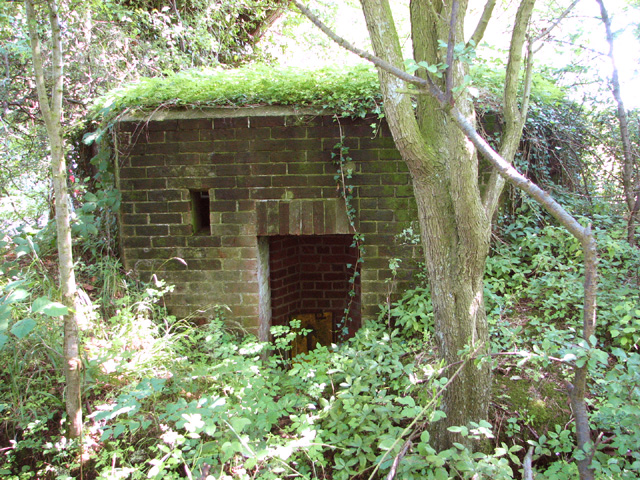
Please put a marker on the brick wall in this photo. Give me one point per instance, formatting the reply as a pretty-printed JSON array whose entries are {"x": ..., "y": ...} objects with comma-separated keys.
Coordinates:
[{"x": 202, "y": 196}]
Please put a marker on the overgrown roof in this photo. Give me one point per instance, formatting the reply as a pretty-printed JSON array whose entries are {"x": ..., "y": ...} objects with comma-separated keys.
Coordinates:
[
  {"x": 352, "y": 91},
  {"x": 349, "y": 91}
]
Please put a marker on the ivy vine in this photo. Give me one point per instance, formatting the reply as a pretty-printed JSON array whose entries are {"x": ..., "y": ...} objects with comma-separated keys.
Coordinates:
[{"x": 343, "y": 176}]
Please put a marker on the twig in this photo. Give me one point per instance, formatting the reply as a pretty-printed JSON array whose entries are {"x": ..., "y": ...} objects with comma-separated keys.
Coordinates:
[
  {"x": 526, "y": 465},
  {"x": 399, "y": 457}
]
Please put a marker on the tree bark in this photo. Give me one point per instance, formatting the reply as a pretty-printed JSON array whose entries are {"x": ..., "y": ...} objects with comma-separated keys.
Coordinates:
[{"x": 51, "y": 109}]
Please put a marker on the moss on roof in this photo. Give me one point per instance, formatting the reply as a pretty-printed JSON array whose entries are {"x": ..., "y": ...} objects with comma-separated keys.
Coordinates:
[{"x": 352, "y": 91}]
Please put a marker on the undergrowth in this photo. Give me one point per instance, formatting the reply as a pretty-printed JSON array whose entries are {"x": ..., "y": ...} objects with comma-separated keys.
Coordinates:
[{"x": 166, "y": 398}]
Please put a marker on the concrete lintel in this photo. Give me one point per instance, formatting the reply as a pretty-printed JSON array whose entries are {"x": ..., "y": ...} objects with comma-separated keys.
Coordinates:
[{"x": 225, "y": 112}]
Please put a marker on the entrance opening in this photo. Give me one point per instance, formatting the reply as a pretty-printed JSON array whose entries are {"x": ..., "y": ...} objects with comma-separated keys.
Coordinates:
[{"x": 311, "y": 278}]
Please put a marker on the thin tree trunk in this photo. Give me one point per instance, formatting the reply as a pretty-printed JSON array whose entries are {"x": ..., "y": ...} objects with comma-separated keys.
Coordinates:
[
  {"x": 51, "y": 109},
  {"x": 631, "y": 188}
]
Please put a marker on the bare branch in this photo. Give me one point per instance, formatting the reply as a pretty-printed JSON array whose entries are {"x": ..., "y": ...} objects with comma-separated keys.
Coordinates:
[
  {"x": 482, "y": 24},
  {"x": 547, "y": 31},
  {"x": 396, "y": 461},
  {"x": 450, "y": 50}
]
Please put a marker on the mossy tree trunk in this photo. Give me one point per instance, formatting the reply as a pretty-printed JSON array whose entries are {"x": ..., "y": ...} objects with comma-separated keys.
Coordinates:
[{"x": 455, "y": 219}]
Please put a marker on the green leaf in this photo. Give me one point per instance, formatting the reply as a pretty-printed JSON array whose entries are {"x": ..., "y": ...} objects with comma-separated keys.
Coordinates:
[
  {"x": 386, "y": 443},
  {"x": 118, "y": 430},
  {"x": 49, "y": 308},
  {"x": 17, "y": 295},
  {"x": 238, "y": 423},
  {"x": 441, "y": 474},
  {"x": 437, "y": 415},
  {"x": 92, "y": 137},
  {"x": 5, "y": 315},
  {"x": 23, "y": 328},
  {"x": 462, "y": 430},
  {"x": 409, "y": 401},
  {"x": 3, "y": 340},
  {"x": 89, "y": 207}
]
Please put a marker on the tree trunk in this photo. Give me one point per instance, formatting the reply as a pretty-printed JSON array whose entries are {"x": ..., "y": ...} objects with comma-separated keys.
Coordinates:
[
  {"x": 630, "y": 181},
  {"x": 52, "y": 113},
  {"x": 455, "y": 229}
]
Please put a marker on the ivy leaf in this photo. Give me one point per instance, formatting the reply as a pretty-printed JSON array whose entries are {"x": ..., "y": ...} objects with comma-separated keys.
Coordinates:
[{"x": 23, "y": 328}]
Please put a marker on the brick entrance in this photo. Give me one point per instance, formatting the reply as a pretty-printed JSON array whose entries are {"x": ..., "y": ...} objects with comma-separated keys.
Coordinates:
[{"x": 311, "y": 274}]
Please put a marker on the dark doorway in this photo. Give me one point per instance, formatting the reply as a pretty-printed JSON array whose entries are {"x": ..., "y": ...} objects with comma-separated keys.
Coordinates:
[{"x": 312, "y": 277}]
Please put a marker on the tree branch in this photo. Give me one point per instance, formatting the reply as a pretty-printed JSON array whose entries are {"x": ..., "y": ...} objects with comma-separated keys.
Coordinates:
[
  {"x": 36, "y": 48},
  {"x": 378, "y": 62},
  {"x": 482, "y": 24},
  {"x": 448, "y": 92},
  {"x": 528, "y": 81},
  {"x": 514, "y": 118},
  {"x": 623, "y": 120}
]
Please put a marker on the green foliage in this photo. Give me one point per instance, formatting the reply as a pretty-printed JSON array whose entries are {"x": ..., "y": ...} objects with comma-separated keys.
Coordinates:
[
  {"x": 534, "y": 290},
  {"x": 412, "y": 313},
  {"x": 343, "y": 178},
  {"x": 352, "y": 91},
  {"x": 97, "y": 201},
  {"x": 489, "y": 76}
]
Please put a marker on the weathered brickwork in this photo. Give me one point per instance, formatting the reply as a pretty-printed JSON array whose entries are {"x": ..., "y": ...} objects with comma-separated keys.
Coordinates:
[{"x": 204, "y": 201}]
